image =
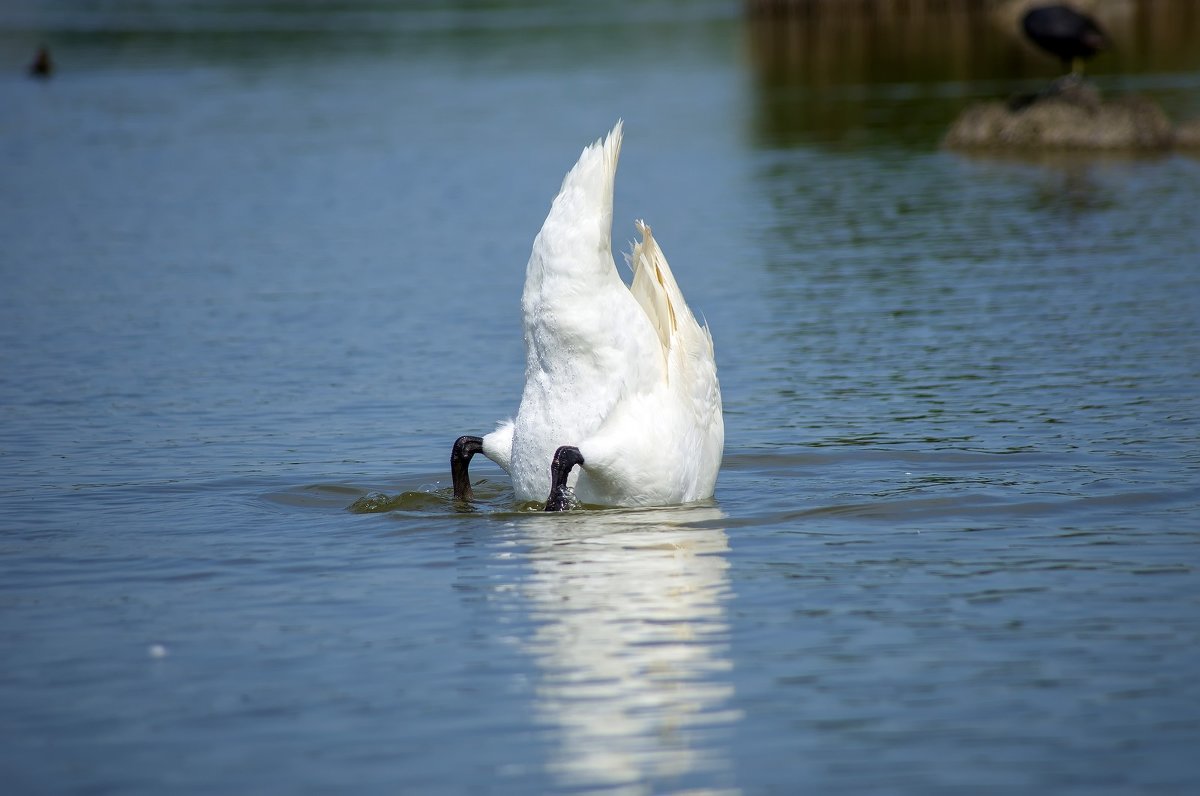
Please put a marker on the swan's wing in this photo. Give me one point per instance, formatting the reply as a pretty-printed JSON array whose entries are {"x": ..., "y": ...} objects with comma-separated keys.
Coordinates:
[
  {"x": 687, "y": 346},
  {"x": 656, "y": 291}
]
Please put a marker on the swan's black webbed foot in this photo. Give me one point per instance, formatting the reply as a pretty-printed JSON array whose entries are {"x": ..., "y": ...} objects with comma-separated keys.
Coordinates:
[
  {"x": 565, "y": 458},
  {"x": 460, "y": 460}
]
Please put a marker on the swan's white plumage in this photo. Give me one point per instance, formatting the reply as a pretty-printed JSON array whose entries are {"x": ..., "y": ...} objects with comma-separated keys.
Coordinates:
[{"x": 627, "y": 375}]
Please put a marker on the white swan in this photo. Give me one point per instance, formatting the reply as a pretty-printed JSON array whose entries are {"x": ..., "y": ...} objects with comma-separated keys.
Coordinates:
[{"x": 621, "y": 381}]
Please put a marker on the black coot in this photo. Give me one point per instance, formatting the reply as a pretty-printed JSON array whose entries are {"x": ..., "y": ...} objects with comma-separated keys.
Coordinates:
[{"x": 1066, "y": 33}]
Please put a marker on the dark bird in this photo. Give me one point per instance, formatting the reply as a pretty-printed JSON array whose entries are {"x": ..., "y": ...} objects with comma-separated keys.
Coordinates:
[
  {"x": 42, "y": 66},
  {"x": 1062, "y": 31}
]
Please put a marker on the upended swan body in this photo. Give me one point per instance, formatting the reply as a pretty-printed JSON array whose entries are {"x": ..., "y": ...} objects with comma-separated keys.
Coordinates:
[{"x": 620, "y": 381}]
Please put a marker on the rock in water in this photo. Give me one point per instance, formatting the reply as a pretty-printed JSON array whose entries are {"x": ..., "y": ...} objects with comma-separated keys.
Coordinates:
[{"x": 1069, "y": 114}]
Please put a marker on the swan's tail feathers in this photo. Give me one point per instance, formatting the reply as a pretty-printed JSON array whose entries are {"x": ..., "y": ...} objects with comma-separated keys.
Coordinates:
[
  {"x": 597, "y": 166},
  {"x": 656, "y": 291},
  {"x": 576, "y": 239}
]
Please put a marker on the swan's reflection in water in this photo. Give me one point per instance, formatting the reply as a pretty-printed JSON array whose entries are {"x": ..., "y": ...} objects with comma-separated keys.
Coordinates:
[{"x": 632, "y": 646}]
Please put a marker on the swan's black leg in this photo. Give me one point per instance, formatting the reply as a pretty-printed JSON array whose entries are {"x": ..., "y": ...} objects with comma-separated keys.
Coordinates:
[
  {"x": 460, "y": 460},
  {"x": 565, "y": 458}
]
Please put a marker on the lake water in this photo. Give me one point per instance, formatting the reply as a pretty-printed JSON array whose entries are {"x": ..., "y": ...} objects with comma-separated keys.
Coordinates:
[{"x": 261, "y": 260}]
